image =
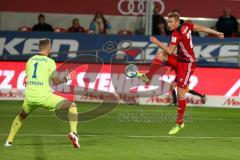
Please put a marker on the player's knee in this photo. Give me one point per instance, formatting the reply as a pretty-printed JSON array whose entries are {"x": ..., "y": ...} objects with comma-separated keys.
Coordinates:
[
  {"x": 161, "y": 56},
  {"x": 23, "y": 115},
  {"x": 73, "y": 104},
  {"x": 181, "y": 96},
  {"x": 67, "y": 104},
  {"x": 181, "y": 93}
]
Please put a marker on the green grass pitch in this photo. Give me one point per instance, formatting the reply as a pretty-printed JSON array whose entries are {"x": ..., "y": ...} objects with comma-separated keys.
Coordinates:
[{"x": 209, "y": 134}]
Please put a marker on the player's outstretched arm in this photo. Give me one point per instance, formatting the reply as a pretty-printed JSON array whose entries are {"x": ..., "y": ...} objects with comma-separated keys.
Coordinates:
[
  {"x": 200, "y": 28},
  {"x": 168, "y": 49}
]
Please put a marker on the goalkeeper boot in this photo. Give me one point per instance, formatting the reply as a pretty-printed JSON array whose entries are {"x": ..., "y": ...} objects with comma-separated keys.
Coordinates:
[
  {"x": 176, "y": 129},
  {"x": 74, "y": 138},
  {"x": 8, "y": 144}
]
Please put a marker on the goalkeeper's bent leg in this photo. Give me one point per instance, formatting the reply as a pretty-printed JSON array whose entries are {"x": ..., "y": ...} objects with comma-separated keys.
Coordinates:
[{"x": 73, "y": 117}]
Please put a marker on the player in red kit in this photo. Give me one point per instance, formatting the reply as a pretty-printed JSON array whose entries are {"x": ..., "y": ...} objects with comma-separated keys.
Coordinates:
[{"x": 184, "y": 62}]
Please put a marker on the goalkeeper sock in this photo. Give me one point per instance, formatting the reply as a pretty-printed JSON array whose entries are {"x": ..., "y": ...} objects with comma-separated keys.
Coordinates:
[
  {"x": 17, "y": 123},
  {"x": 155, "y": 65},
  {"x": 181, "y": 109},
  {"x": 73, "y": 119}
]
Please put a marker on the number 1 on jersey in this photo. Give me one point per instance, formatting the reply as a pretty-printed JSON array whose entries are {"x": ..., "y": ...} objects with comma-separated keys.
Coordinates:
[{"x": 35, "y": 70}]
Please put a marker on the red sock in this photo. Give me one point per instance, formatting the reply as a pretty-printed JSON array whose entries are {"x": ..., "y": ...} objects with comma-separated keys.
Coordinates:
[
  {"x": 155, "y": 65},
  {"x": 181, "y": 110}
]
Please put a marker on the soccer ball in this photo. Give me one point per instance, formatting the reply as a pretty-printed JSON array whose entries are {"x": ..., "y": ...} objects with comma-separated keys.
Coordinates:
[{"x": 131, "y": 71}]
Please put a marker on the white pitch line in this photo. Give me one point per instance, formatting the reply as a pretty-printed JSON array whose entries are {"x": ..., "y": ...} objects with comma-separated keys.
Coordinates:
[
  {"x": 182, "y": 137},
  {"x": 117, "y": 117},
  {"x": 127, "y": 136}
]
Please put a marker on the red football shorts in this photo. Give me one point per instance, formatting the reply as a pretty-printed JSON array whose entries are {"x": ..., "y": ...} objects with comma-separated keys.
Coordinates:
[{"x": 183, "y": 70}]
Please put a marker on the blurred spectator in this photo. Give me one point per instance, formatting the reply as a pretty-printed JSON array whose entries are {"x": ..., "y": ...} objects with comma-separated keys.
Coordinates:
[
  {"x": 42, "y": 25},
  {"x": 194, "y": 33},
  {"x": 159, "y": 24},
  {"x": 227, "y": 23},
  {"x": 76, "y": 27},
  {"x": 99, "y": 24},
  {"x": 238, "y": 31}
]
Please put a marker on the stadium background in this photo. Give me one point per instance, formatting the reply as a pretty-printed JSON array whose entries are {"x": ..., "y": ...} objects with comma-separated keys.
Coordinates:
[{"x": 217, "y": 76}]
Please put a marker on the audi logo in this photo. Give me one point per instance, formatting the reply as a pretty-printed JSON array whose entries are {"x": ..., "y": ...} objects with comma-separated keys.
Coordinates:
[{"x": 137, "y": 7}]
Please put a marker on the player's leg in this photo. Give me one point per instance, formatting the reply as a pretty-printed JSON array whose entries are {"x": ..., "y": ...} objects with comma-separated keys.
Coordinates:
[
  {"x": 17, "y": 123},
  {"x": 73, "y": 121},
  {"x": 181, "y": 104},
  {"x": 55, "y": 102},
  {"x": 184, "y": 72},
  {"x": 157, "y": 62},
  {"x": 181, "y": 110},
  {"x": 72, "y": 114},
  {"x": 174, "y": 94},
  {"x": 202, "y": 96},
  {"x": 193, "y": 92}
]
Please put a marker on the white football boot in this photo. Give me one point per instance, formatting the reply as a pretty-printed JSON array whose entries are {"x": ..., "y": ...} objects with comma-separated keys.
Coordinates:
[
  {"x": 74, "y": 138},
  {"x": 8, "y": 144}
]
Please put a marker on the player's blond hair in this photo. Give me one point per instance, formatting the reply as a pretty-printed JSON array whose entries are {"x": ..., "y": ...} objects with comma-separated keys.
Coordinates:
[
  {"x": 44, "y": 44},
  {"x": 175, "y": 15}
]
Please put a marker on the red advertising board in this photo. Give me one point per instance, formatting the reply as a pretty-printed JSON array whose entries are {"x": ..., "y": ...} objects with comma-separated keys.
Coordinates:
[
  {"x": 211, "y": 81},
  {"x": 188, "y": 8}
]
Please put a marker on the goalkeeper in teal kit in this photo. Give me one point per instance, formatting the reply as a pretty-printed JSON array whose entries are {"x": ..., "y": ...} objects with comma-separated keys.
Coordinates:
[{"x": 40, "y": 71}]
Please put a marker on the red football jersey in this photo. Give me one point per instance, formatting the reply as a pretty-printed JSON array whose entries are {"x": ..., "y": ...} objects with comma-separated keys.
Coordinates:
[{"x": 183, "y": 41}]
